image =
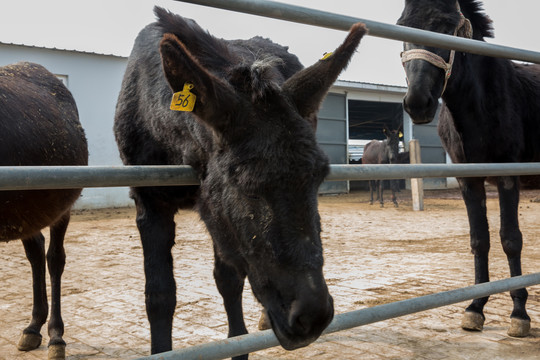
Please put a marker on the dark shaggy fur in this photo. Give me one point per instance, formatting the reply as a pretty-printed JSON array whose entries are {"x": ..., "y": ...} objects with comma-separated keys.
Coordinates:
[
  {"x": 39, "y": 125},
  {"x": 490, "y": 113},
  {"x": 251, "y": 140}
]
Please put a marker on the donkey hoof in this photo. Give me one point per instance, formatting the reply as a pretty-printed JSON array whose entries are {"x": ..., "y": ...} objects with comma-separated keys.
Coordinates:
[
  {"x": 264, "y": 322},
  {"x": 57, "y": 352},
  {"x": 519, "y": 327},
  {"x": 472, "y": 321},
  {"x": 29, "y": 342}
]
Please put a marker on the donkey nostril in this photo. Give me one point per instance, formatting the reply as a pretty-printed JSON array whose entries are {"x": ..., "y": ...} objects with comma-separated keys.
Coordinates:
[
  {"x": 302, "y": 323},
  {"x": 420, "y": 106},
  {"x": 416, "y": 102},
  {"x": 310, "y": 316}
]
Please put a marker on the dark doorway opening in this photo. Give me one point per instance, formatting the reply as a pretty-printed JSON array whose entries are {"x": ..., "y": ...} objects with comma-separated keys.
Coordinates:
[{"x": 367, "y": 120}]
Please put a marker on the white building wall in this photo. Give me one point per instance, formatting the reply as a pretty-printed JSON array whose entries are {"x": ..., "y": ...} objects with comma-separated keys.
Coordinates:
[{"x": 94, "y": 80}]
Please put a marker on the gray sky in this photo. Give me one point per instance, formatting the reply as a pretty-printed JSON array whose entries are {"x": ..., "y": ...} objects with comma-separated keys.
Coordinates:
[{"x": 110, "y": 26}]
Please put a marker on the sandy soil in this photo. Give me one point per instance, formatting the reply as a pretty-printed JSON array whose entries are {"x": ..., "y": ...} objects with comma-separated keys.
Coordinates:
[{"x": 373, "y": 256}]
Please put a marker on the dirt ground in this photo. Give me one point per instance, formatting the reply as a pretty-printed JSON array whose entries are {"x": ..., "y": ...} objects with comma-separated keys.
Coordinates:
[{"x": 373, "y": 256}]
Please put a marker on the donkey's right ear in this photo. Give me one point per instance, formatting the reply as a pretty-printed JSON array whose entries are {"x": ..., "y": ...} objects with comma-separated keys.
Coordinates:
[
  {"x": 213, "y": 95},
  {"x": 308, "y": 87}
]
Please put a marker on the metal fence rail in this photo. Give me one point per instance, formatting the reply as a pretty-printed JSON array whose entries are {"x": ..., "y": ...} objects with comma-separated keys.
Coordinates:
[
  {"x": 320, "y": 18},
  {"x": 266, "y": 339},
  {"x": 65, "y": 177}
]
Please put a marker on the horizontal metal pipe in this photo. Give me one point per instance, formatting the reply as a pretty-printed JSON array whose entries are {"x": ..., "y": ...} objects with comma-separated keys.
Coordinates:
[
  {"x": 65, "y": 177},
  {"x": 303, "y": 15},
  {"x": 406, "y": 171},
  {"x": 265, "y": 339}
]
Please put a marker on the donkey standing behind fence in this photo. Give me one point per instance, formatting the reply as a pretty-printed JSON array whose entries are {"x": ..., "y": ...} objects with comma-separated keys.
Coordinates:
[
  {"x": 490, "y": 114},
  {"x": 39, "y": 125},
  {"x": 383, "y": 152},
  {"x": 251, "y": 140}
]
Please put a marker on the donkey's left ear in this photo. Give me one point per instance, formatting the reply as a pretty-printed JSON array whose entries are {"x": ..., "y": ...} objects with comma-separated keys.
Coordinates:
[{"x": 308, "y": 87}]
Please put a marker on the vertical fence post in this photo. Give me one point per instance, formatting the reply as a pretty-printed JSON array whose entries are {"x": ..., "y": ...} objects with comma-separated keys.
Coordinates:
[{"x": 417, "y": 184}]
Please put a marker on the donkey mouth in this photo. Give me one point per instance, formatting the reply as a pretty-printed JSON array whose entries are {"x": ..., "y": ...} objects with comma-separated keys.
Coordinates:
[
  {"x": 421, "y": 120},
  {"x": 302, "y": 331},
  {"x": 420, "y": 116}
]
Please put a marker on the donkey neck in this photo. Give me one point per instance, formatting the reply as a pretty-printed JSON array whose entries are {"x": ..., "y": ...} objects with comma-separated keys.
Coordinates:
[
  {"x": 478, "y": 82},
  {"x": 481, "y": 111}
]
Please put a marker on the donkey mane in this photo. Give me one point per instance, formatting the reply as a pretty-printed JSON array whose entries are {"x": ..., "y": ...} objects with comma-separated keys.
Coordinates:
[
  {"x": 260, "y": 78},
  {"x": 209, "y": 50},
  {"x": 481, "y": 23}
]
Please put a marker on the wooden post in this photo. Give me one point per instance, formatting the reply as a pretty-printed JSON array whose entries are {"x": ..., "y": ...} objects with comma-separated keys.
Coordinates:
[{"x": 417, "y": 185}]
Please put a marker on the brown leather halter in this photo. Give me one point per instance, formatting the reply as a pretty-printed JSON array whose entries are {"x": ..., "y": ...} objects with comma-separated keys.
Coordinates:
[{"x": 464, "y": 29}]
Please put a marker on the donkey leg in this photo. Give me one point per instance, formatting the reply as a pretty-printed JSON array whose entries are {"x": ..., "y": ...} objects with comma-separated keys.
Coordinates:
[
  {"x": 394, "y": 199},
  {"x": 372, "y": 186},
  {"x": 56, "y": 261},
  {"x": 230, "y": 284},
  {"x": 381, "y": 190},
  {"x": 35, "y": 252},
  {"x": 474, "y": 194},
  {"x": 264, "y": 321},
  {"x": 395, "y": 188},
  {"x": 512, "y": 243},
  {"x": 155, "y": 221}
]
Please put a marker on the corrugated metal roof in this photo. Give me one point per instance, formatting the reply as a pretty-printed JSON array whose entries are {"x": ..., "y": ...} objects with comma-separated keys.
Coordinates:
[
  {"x": 60, "y": 49},
  {"x": 369, "y": 86}
]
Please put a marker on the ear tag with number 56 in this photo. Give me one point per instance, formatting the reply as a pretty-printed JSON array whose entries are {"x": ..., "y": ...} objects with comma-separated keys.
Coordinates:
[{"x": 184, "y": 100}]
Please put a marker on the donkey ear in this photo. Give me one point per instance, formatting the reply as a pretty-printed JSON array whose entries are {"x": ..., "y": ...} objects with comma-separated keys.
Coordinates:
[
  {"x": 308, "y": 87},
  {"x": 213, "y": 95}
]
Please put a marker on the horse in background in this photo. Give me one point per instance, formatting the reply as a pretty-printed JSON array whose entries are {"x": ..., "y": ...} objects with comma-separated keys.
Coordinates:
[
  {"x": 39, "y": 125},
  {"x": 383, "y": 152},
  {"x": 490, "y": 114},
  {"x": 248, "y": 112}
]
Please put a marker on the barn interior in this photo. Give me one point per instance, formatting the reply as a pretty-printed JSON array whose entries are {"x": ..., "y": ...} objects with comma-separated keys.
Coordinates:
[{"x": 367, "y": 119}]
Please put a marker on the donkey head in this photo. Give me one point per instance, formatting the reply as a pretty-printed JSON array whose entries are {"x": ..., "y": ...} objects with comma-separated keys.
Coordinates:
[
  {"x": 392, "y": 142},
  {"x": 428, "y": 69},
  {"x": 259, "y": 193}
]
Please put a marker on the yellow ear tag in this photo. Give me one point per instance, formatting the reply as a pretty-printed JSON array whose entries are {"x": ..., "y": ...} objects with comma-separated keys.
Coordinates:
[
  {"x": 400, "y": 134},
  {"x": 327, "y": 55},
  {"x": 184, "y": 100}
]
